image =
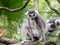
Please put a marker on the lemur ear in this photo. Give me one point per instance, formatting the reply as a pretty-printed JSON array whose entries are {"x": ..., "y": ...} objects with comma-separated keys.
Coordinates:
[
  {"x": 47, "y": 21},
  {"x": 36, "y": 11},
  {"x": 57, "y": 21},
  {"x": 26, "y": 13},
  {"x": 31, "y": 9}
]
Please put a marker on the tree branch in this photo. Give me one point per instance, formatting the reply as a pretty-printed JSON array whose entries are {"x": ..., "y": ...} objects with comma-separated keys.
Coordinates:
[
  {"x": 15, "y": 44},
  {"x": 17, "y": 9},
  {"x": 7, "y": 41},
  {"x": 50, "y": 43},
  {"x": 56, "y": 11}
]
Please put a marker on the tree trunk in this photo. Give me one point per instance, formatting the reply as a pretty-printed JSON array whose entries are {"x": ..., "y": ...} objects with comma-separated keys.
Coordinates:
[{"x": 36, "y": 5}]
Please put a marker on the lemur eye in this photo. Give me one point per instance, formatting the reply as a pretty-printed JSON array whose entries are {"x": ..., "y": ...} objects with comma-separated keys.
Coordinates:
[
  {"x": 57, "y": 23},
  {"x": 52, "y": 26},
  {"x": 29, "y": 15},
  {"x": 33, "y": 14}
]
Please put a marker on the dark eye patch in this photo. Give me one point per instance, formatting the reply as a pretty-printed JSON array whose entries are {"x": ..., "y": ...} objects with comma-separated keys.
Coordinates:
[
  {"x": 52, "y": 26},
  {"x": 33, "y": 14},
  {"x": 58, "y": 23},
  {"x": 29, "y": 15}
]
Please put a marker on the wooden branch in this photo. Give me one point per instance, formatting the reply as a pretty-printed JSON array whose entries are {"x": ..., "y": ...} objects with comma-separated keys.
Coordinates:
[
  {"x": 15, "y": 44},
  {"x": 7, "y": 40},
  {"x": 50, "y": 43},
  {"x": 56, "y": 11},
  {"x": 26, "y": 43},
  {"x": 17, "y": 9}
]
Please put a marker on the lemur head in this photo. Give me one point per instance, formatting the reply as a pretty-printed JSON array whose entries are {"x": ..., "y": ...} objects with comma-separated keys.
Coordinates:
[
  {"x": 51, "y": 27},
  {"x": 54, "y": 24},
  {"x": 33, "y": 14}
]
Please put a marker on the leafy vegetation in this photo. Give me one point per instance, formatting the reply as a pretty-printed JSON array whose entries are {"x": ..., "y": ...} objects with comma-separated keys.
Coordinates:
[{"x": 10, "y": 22}]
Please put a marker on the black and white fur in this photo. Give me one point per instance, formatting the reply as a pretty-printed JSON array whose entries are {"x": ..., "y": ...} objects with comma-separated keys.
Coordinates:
[
  {"x": 53, "y": 24},
  {"x": 35, "y": 28}
]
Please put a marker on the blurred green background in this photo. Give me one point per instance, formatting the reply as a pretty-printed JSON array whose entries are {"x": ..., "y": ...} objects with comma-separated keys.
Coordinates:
[{"x": 11, "y": 22}]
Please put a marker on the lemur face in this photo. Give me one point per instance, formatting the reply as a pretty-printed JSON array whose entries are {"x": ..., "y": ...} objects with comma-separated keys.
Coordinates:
[
  {"x": 54, "y": 24},
  {"x": 32, "y": 14},
  {"x": 51, "y": 27}
]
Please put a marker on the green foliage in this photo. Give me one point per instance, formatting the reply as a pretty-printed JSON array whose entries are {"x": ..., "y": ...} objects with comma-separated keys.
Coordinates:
[
  {"x": 10, "y": 20},
  {"x": 46, "y": 12},
  {"x": 15, "y": 16},
  {"x": 17, "y": 37}
]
